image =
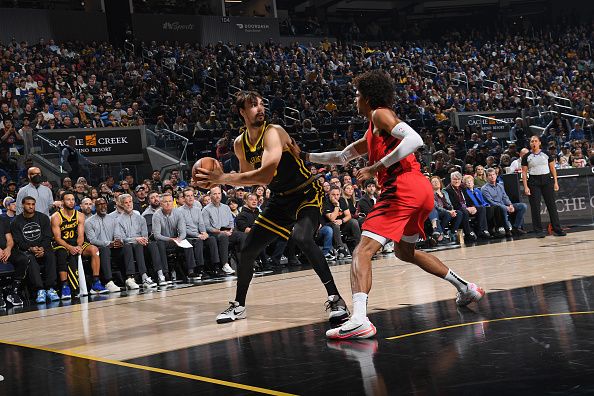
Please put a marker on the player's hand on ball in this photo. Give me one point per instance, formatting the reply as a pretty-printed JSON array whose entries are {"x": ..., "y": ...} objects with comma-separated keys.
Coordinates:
[{"x": 205, "y": 178}]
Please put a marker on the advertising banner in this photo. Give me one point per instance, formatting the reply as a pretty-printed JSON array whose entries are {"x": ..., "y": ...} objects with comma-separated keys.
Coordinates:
[
  {"x": 499, "y": 129},
  {"x": 204, "y": 29},
  {"x": 110, "y": 144},
  {"x": 574, "y": 200}
]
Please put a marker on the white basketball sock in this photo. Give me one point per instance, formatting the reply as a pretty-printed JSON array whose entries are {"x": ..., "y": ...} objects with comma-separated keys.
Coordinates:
[
  {"x": 359, "y": 307},
  {"x": 456, "y": 280}
]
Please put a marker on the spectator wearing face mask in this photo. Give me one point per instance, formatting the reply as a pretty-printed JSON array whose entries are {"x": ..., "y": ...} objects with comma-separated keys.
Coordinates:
[{"x": 44, "y": 198}]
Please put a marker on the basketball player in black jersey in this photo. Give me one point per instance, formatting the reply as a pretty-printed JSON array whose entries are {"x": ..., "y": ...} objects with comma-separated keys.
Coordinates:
[
  {"x": 68, "y": 227},
  {"x": 265, "y": 159}
]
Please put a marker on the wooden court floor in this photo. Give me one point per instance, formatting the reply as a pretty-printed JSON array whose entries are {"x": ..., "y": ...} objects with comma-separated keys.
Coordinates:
[{"x": 172, "y": 334}]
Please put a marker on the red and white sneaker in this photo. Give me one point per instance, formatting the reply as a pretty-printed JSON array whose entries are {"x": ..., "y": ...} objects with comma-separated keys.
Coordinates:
[
  {"x": 473, "y": 293},
  {"x": 351, "y": 330}
]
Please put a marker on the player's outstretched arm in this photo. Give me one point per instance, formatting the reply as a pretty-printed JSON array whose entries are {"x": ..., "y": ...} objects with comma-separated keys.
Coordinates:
[{"x": 352, "y": 151}]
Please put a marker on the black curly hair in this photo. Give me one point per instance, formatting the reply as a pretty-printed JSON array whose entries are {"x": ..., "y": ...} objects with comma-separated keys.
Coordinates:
[{"x": 377, "y": 87}]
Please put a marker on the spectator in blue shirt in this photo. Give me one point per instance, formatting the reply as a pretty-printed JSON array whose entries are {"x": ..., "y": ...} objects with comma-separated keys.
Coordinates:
[
  {"x": 494, "y": 193},
  {"x": 577, "y": 133}
]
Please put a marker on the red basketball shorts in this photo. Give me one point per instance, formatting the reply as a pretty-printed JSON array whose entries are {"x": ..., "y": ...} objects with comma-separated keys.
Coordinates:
[{"x": 401, "y": 209}]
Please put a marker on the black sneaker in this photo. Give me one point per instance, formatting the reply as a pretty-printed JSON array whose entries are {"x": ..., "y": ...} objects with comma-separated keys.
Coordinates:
[
  {"x": 471, "y": 237},
  {"x": 193, "y": 277},
  {"x": 14, "y": 298},
  {"x": 541, "y": 234},
  {"x": 485, "y": 234},
  {"x": 559, "y": 233},
  {"x": 203, "y": 275},
  {"x": 2, "y": 302},
  {"x": 343, "y": 254},
  {"x": 339, "y": 312}
]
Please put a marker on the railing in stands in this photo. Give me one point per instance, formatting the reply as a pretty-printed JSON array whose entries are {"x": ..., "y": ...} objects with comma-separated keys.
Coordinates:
[
  {"x": 530, "y": 95},
  {"x": 430, "y": 69},
  {"x": 566, "y": 102},
  {"x": 210, "y": 82},
  {"x": 490, "y": 84},
  {"x": 458, "y": 78},
  {"x": 187, "y": 72},
  {"x": 290, "y": 113},
  {"x": 405, "y": 61},
  {"x": 173, "y": 144},
  {"x": 129, "y": 47}
]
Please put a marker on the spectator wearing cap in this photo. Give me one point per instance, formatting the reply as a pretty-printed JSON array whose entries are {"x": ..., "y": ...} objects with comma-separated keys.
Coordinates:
[
  {"x": 44, "y": 198},
  {"x": 11, "y": 189},
  {"x": 9, "y": 205},
  {"x": 141, "y": 201},
  {"x": 212, "y": 122}
]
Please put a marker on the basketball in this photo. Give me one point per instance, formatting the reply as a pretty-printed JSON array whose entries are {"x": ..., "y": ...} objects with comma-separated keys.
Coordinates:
[{"x": 207, "y": 163}]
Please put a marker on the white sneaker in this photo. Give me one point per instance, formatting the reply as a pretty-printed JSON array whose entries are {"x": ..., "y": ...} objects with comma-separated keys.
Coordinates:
[
  {"x": 389, "y": 247},
  {"x": 234, "y": 312},
  {"x": 473, "y": 293},
  {"x": 131, "y": 284},
  {"x": 112, "y": 288},
  {"x": 148, "y": 283},
  {"x": 163, "y": 282},
  {"x": 352, "y": 330},
  {"x": 227, "y": 269}
]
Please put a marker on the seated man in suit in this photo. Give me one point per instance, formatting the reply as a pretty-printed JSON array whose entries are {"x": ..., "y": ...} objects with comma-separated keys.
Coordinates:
[
  {"x": 461, "y": 201},
  {"x": 494, "y": 213}
]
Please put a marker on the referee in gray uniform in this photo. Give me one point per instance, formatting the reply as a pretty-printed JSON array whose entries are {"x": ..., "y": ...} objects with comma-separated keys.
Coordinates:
[{"x": 537, "y": 168}]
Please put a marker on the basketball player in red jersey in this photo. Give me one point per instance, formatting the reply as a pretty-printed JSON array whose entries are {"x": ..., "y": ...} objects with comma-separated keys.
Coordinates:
[{"x": 401, "y": 209}]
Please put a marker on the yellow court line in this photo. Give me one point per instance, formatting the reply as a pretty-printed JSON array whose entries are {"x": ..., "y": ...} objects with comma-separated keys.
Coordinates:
[
  {"x": 489, "y": 321},
  {"x": 154, "y": 370}
]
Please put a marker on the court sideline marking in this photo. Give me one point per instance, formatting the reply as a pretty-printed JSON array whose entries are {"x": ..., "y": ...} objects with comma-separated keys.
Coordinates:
[
  {"x": 195, "y": 290},
  {"x": 436, "y": 329},
  {"x": 153, "y": 369}
]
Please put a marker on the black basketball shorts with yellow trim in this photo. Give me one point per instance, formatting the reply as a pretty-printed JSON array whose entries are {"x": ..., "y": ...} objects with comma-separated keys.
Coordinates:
[{"x": 281, "y": 212}]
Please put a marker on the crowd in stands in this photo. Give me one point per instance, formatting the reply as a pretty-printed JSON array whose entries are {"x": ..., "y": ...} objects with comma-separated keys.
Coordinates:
[{"x": 48, "y": 85}]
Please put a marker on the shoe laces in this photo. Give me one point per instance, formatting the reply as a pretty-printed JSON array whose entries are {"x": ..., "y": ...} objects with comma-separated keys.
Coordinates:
[
  {"x": 232, "y": 306},
  {"x": 332, "y": 305}
]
